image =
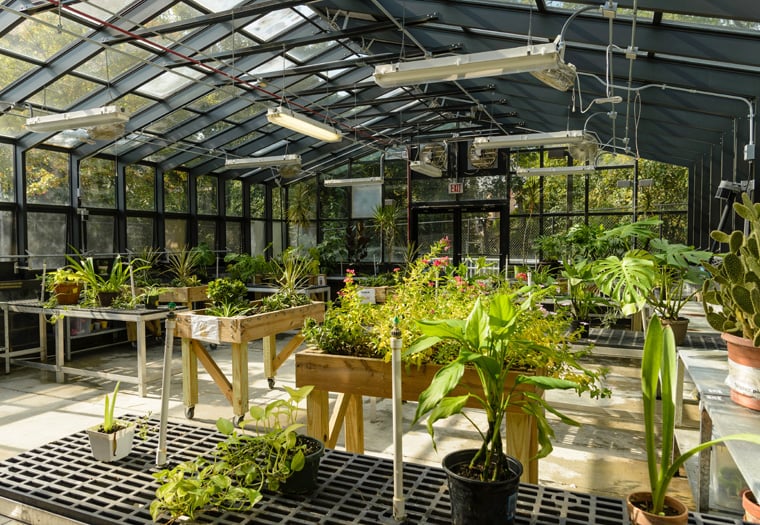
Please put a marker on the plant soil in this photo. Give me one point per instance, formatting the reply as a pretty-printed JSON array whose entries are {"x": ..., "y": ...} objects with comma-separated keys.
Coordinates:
[
  {"x": 312, "y": 446},
  {"x": 476, "y": 472},
  {"x": 646, "y": 506}
]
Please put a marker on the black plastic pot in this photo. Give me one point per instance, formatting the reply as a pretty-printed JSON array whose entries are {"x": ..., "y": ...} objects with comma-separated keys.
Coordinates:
[
  {"x": 475, "y": 502},
  {"x": 305, "y": 480}
]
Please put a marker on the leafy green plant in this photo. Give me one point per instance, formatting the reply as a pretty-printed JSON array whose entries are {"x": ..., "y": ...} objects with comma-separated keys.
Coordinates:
[
  {"x": 488, "y": 341},
  {"x": 183, "y": 266},
  {"x": 734, "y": 285},
  {"x": 245, "y": 267},
  {"x": 228, "y": 297},
  {"x": 109, "y": 407},
  {"x": 658, "y": 380},
  {"x": 241, "y": 466},
  {"x": 115, "y": 281}
]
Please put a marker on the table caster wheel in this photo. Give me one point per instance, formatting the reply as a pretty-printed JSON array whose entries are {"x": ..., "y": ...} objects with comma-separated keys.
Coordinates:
[
  {"x": 190, "y": 412},
  {"x": 212, "y": 346},
  {"x": 270, "y": 380},
  {"x": 236, "y": 420}
]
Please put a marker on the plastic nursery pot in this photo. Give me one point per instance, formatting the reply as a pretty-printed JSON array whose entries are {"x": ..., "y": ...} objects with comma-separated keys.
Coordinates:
[
  {"x": 305, "y": 480},
  {"x": 475, "y": 502},
  {"x": 676, "y": 512},
  {"x": 112, "y": 446},
  {"x": 105, "y": 299}
]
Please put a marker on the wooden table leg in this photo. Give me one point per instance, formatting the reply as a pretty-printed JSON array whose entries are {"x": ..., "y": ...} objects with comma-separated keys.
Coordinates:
[
  {"x": 269, "y": 345},
  {"x": 189, "y": 378},
  {"x": 355, "y": 424},
  {"x": 317, "y": 415},
  {"x": 239, "y": 378}
]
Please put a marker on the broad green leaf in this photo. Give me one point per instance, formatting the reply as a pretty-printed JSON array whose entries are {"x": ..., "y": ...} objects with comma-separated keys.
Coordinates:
[{"x": 443, "y": 382}]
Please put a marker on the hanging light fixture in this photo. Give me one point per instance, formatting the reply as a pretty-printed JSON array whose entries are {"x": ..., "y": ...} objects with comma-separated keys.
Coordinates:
[
  {"x": 534, "y": 58},
  {"x": 366, "y": 181},
  {"x": 425, "y": 169},
  {"x": 557, "y": 170},
  {"x": 263, "y": 162},
  {"x": 554, "y": 138},
  {"x": 302, "y": 124},
  {"x": 85, "y": 118}
]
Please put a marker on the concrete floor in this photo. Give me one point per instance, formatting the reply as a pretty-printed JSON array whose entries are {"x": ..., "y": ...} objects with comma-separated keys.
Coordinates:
[{"x": 605, "y": 456}]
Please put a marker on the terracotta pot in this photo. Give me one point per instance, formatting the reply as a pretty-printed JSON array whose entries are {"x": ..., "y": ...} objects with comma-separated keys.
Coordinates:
[
  {"x": 679, "y": 326},
  {"x": 743, "y": 371},
  {"x": 750, "y": 506},
  {"x": 638, "y": 516}
]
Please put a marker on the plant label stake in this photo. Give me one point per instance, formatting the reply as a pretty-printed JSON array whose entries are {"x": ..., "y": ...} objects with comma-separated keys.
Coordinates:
[
  {"x": 399, "y": 513},
  {"x": 171, "y": 320}
]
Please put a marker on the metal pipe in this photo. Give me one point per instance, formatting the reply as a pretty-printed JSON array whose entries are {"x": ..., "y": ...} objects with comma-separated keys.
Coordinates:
[
  {"x": 399, "y": 513},
  {"x": 166, "y": 386}
]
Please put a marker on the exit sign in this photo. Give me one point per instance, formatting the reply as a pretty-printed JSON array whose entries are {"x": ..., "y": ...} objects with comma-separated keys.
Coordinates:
[{"x": 456, "y": 187}]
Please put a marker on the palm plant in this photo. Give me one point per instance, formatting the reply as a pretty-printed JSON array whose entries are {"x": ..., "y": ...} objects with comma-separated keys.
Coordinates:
[{"x": 183, "y": 266}]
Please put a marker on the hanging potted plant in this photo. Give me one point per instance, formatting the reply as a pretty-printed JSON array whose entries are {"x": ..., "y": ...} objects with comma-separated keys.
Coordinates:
[
  {"x": 112, "y": 439},
  {"x": 734, "y": 288},
  {"x": 483, "y": 482},
  {"x": 658, "y": 387}
]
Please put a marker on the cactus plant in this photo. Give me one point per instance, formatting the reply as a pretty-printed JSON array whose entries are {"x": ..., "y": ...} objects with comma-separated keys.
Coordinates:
[{"x": 735, "y": 282}]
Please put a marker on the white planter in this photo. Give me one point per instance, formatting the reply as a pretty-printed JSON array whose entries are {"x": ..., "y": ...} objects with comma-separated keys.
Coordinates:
[{"x": 113, "y": 446}]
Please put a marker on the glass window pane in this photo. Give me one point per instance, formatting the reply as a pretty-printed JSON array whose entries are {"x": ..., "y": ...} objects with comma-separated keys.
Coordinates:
[
  {"x": 140, "y": 187},
  {"x": 207, "y": 233},
  {"x": 234, "y": 236},
  {"x": 233, "y": 196},
  {"x": 175, "y": 233},
  {"x": 39, "y": 37},
  {"x": 6, "y": 174},
  {"x": 175, "y": 191},
  {"x": 278, "y": 232},
  {"x": 334, "y": 202},
  {"x": 47, "y": 235},
  {"x": 207, "y": 195},
  {"x": 432, "y": 227},
  {"x": 47, "y": 177},
  {"x": 258, "y": 201},
  {"x": 277, "y": 203},
  {"x": 258, "y": 237},
  {"x": 7, "y": 233},
  {"x": 140, "y": 233},
  {"x": 12, "y": 69},
  {"x": 100, "y": 234},
  {"x": 63, "y": 93},
  {"x": 97, "y": 184},
  {"x": 365, "y": 200}
]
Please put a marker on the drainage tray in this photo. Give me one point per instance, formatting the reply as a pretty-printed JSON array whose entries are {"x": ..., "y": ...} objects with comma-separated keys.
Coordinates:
[{"x": 62, "y": 478}]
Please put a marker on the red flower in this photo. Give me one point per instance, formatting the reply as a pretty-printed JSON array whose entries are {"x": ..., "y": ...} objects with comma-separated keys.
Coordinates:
[{"x": 521, "y": 276}]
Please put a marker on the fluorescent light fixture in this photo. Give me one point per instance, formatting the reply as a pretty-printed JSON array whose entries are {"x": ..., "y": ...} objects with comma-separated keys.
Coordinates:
[
  {"x": 301, "y": 124},
  {"x": 524, "y": 59},
  {"x": 263, "y": 162},
  {"x": 425, "y": 168},
  {"x": 554, "y": 138},
  {"x": 556, "y": 170},
  {"x": 78, "y": 119},
  {"x": 366, "y": 181}
]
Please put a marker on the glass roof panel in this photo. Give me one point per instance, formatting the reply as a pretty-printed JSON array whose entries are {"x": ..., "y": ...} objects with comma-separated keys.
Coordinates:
[
  {"x": 168, "y": 82},
  {"x": 234, "y": 144},
  {"x": 230, "y": 43},
  {"x": 218, "y": 5},
  {"x": 63, "y": 93},
  {"x": 70, "y": 138},
  {"x": 278, "y": 63},
  {"x": 309, "y": 82},
  {"x": 304, "y": 53},
  {"x": 170, "y": 121},
  {"x": 162, "y": 154},
  {"x": 12, "y": 125},
  {"x": 40, "y": 37},
  {"x": 133, "y": 103},
  {"x": 273, "y": 24},
  {"x": 210, "y": 100},
  {"x": 105, "y": 10},
  {"x": 111, "y": 63},
  {"x": 12, "y": 69},
  {"x": 209, "y": 131},
  {"x": 248, "y": 113},
  {"x": 124, "y": 144},
  {"x": 713, "y": 23}
]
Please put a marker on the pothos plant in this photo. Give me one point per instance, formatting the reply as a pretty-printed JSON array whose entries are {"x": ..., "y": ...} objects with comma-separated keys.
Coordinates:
[{"x": 241, "y": 466}]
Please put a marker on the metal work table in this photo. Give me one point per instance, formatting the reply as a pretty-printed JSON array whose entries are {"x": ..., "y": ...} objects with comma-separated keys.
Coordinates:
[
  {"x": 62, "y": 482},
  {"x": 719, "y": 416},
  {"x": 138, "y": 316}
]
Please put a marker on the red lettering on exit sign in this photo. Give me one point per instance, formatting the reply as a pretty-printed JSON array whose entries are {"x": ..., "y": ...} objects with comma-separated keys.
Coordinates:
[{"x": 456, "y": 187}]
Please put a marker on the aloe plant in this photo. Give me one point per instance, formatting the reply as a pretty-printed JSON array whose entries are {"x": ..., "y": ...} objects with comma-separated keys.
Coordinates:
[
  {"x": 735, "y": 282},
  {"x": 109, "y": 406}
]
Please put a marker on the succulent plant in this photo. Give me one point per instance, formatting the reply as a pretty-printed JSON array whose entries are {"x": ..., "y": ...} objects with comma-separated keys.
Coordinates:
[{"x": 735, "y": 282}]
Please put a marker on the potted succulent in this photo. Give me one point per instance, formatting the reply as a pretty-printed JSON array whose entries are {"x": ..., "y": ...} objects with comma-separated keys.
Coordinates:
[
  {"x": 242, "y": 465},
  {"x": 483, "y": 482},
  {"x": 112, "y": 439},
  {"x": 65, "y": 285},
  {"x": 731, "y": 300},
  {"x": 658, "y": 381}
]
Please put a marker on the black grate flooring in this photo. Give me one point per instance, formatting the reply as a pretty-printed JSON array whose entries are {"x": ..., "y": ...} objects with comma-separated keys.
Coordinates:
[
  {"x": 618, "y": 338},
  {"x": 61, "y": 477}
]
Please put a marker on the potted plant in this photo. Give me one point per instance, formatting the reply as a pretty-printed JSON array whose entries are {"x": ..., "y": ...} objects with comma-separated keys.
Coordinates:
[
  {"x": 149, "y": 295},
  {"x": 112, "y": 439},
  {"x": 244, "y": 464},
  {"x": 228, "y": 298},
  {"x": 65, "y": 285},
  {"x": 483, "y": 482},
  {"x": 102, "y": 290},
  {"x": 750, "y": 506},
  {"x": 657, "y": 277},
  {"x": 247, "y": 268},
  {"x": 733, "y": 288},
  {"x": 658, "y": 381},
  {"x": 183, "y": 267}
]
